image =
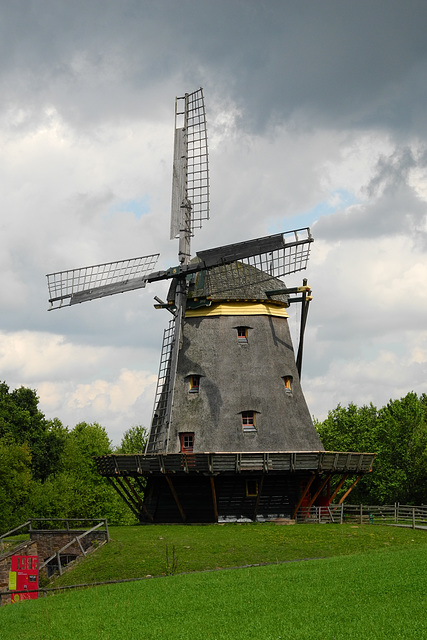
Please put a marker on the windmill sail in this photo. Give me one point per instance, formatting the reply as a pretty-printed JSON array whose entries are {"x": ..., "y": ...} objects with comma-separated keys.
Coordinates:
[
  {"x": 273, "y": 256},
  {"x": 97, "y": 281},
  {"x": 276, "y": 255},
  {"x": 190, "y": 183}
]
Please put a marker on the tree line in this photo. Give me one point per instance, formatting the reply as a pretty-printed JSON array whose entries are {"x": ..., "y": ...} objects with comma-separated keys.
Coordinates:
[
  {"x": 47, "y": 470},
  {"x": 397, "y": 433}
]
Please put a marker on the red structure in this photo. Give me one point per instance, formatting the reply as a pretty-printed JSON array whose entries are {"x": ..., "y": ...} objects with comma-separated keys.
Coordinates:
[{"x": 24, "y": 577}]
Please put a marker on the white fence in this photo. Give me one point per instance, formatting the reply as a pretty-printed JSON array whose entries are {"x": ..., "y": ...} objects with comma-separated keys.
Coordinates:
[{"x": 401, "y": 514}]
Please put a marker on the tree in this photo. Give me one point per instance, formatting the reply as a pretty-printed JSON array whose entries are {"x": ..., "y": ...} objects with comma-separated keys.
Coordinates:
[
  {"x": 14, "y": 420},
  {"x": 349, "y": 428},
  {"x": 398, "y": 434},
  {"x": 47, "y": 470},
  {"x": 15, "y": 484},
  {"x": 133, "y": 440},
  {"x": 78, "y": 491},
  {"x": 90, "y": 495},
  {"x": 401, "y": 438},
  {"x": 22, "y": 422}
]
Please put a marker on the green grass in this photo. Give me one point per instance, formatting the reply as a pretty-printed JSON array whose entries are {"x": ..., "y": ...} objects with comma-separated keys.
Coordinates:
[
  {"x": 140, "y": 551},
  {"x": 373, "y": 595},
  {"x": 10, "y": 543}
]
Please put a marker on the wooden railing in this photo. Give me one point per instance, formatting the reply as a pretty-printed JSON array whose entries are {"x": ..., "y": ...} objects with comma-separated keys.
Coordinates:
[
  {"x": 397, "y": 514},
  {"x": 54, "y": 524},
  {"x": 76, "y": 540}
]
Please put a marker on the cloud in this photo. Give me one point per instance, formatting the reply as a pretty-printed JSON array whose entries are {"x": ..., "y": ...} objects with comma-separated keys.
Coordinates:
[
  {"x": 331, "y": 62},
  {"x": 393, "y": 202},
  {"x": 316, "y": 115},
  {"x": 379, "y": 377},
  {"x": 80, "y": 382},
  {"x": 117, "y": 404},
  {"x": 366, "y": 339}
]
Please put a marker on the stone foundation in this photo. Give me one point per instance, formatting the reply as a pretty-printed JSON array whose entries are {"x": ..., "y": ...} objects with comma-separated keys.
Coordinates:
[{"x": 49, "y": 542}]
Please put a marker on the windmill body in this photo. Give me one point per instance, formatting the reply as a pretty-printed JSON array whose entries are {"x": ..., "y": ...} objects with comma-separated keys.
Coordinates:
[
  {"x": 231, "y": 435},
  {"x": 237, "y": 387}
]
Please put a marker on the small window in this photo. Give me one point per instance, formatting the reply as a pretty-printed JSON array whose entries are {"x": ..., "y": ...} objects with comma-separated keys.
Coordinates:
[
  {"x": 194, "y": 384},
  {"x": 187, "y": 442},
  {"x": 251, "y": 488},
  {"x": 242, "y": 334},
  {"x": 248, "y": 421},
  {"x": 288, "y": 383}
]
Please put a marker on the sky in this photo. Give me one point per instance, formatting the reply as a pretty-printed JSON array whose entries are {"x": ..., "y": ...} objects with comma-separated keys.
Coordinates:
[{"x": 316, "y": 117}]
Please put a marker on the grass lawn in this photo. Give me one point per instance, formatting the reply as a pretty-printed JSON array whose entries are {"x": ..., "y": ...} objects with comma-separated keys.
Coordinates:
[
  {"x": 371, "y": 595},
  {"x": 13, "y": 541},
  {"x": 135, "y": 552}
]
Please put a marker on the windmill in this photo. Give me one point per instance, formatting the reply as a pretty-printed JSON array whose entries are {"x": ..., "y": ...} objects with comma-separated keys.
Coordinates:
[{"x": 231, "y": 433}]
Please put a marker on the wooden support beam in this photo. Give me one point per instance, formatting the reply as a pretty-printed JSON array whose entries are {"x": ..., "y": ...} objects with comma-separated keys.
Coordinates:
[
  {"x": 132, "y": 489},
  {"x": 322, "y": 485},
  {"x": 147, "y": 513},
  {"x": 175, "y": 497},
  {"x": 338, "y": 487},
  {"x": 131, "y": 499},
  {"x": 215, "y": 505},
  {"x": 261, "y": 482},
  {"x": 348, "y": 491},
  {"x": 138, "y": 498},
  {"x": 134, "y": 505},
  {"x": 310, "y": 482},
  {"x": 81, "y": 546},
  {"x": 58, "y": 559},
  {"x": 122, "y": 494},
  {"x": 305, "y": 301}
]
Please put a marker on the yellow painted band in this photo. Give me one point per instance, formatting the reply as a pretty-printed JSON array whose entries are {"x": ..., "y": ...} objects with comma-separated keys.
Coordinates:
[{"x": 238, "y": 309}]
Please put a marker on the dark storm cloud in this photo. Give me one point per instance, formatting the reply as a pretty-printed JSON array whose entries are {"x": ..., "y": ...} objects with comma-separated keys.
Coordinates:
[
  {"x": 331, "y": 62},
  {"x": 393, "y": 170},
  {"x": 393, "y": 206}
]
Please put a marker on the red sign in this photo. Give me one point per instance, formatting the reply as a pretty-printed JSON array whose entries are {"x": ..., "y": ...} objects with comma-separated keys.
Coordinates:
[{"x": 24, "y": 576}]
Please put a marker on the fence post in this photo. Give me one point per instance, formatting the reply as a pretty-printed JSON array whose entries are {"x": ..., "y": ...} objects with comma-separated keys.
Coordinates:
[
  {"x": 342, "y": 513},
  {"x": 413, "y": 517},
  {"x": 395, "y": 512},
  {"x": 106, "y": 529},
  {"x": 361, "y": 514},
  {"x": 77, "y": 539},
  {"x": 58, "y": 557}
]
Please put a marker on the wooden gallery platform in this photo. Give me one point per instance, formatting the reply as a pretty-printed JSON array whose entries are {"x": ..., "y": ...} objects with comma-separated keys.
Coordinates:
[{"x": 221, "y": 487}]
